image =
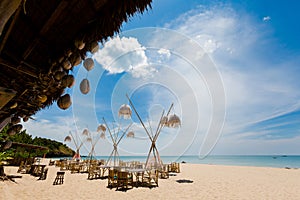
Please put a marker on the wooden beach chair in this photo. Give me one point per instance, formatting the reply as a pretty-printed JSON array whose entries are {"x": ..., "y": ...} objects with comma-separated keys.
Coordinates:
[
  {"x": 124, "y": 179},
  {"x": 150, "y": 178},
  {"x": 112, "y": 178}
]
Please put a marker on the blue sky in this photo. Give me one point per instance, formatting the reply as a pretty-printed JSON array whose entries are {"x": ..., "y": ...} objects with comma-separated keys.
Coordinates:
[{"x": 230, "y": 68}]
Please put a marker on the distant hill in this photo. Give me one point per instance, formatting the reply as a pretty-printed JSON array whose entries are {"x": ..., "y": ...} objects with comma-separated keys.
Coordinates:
[{"x": 55, "y": 148}]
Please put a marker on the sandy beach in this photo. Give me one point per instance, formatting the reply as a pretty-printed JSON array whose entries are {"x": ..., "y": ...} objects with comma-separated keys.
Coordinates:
[{"x": 199, "y": 182}]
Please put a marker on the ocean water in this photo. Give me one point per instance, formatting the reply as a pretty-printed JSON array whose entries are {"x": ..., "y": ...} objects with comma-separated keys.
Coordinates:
[{"x": 281, "y": 161}]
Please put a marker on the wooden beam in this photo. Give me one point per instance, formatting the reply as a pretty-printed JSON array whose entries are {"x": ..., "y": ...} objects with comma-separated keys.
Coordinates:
[
  {"x": 10, "y": 27},
  {"x": 17, "y": 68}
]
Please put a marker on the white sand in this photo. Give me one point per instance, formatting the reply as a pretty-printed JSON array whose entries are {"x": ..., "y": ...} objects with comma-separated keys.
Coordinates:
[{"x": 209, "y": 182}]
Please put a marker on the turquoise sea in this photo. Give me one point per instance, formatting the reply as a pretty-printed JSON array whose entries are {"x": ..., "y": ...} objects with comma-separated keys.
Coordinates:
[{"x": 280, "y": 161}]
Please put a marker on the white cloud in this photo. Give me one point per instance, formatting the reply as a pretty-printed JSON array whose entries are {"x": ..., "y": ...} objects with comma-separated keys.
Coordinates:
[
  {"x": 256, "y": 86},
  {"x": 124, "y": 55},
  {"x": 164, "y": 52},
  {"x": 266, "y": 18}
]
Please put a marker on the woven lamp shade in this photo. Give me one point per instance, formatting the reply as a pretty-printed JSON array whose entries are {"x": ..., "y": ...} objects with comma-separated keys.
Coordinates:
[{"x": 125, "y": 111}]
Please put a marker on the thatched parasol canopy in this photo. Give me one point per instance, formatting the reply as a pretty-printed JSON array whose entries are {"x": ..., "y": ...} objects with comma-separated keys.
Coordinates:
[{"x": 41, "y": 41}]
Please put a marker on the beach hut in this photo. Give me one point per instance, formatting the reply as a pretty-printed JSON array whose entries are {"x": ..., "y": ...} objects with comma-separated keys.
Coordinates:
[{"x": 41, "y": 42}]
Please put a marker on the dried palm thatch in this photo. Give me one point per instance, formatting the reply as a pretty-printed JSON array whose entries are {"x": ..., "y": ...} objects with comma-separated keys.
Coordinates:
[{"x": 41, "y": 41}]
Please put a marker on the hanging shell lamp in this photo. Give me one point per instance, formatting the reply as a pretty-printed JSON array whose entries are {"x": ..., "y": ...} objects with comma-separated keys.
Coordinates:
[
  {"x": 7, "y": 145},
  {"x": 164, "y": 121},
  {"x": 130, "y": 134},
  {"x": 102, "y": 135},
  {"x": 85, "y": 86},
  {"x": 68, "y": 81},
  {"x": 64, "y": 102},
  {"x": 67, "y": 139},
  {"x": 67, "y": 64},
  {"x": 15, "y": 120},
  {"x": 85, "y": 132},
  {"x": 79, "y": 44},
  {"x": 174, "y": 121},
  {"x": 101, "y": 128},
  {"x": 88, "y": 64},
  {"x": 94, "y": 47},
  {"x": 125, "y": 111}
]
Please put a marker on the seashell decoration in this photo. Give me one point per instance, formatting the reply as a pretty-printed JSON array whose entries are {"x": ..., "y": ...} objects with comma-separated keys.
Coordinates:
[
  {"x": 88, "y": 64},
  {"x": 85, "y": 86},
  {"x": 68, "y": 81},
  {"x": 64, "y": 102},
  {"x": 125, "y": 111},
  {"x": 79, "y": 44}
]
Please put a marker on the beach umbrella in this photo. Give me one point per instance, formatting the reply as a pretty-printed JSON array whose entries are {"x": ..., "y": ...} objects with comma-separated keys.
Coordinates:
[
  {"x": 174, "y": 121},
  {"x": 130, "y": 134},
  {"x": 125, "y": 111},
  {"x": 85, "y": 86},
  {"x": 101, "y": 127},
  {"x": 85, "y": 132},
  {"x": 67, "y": 139},
  {"x": 88, "y": 64}
]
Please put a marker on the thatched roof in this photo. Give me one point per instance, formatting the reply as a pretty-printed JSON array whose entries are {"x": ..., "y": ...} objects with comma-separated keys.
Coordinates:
[
  {"x": 29, "y": 146},
  {"x": 38, "y": 36}
]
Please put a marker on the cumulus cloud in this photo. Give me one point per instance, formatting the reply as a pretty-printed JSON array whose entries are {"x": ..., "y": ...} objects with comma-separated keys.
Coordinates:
[
  {"x": 124, "y": 54},
  {"x": 266, "y": 18},
  {"x": 164, "y": 52}
]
